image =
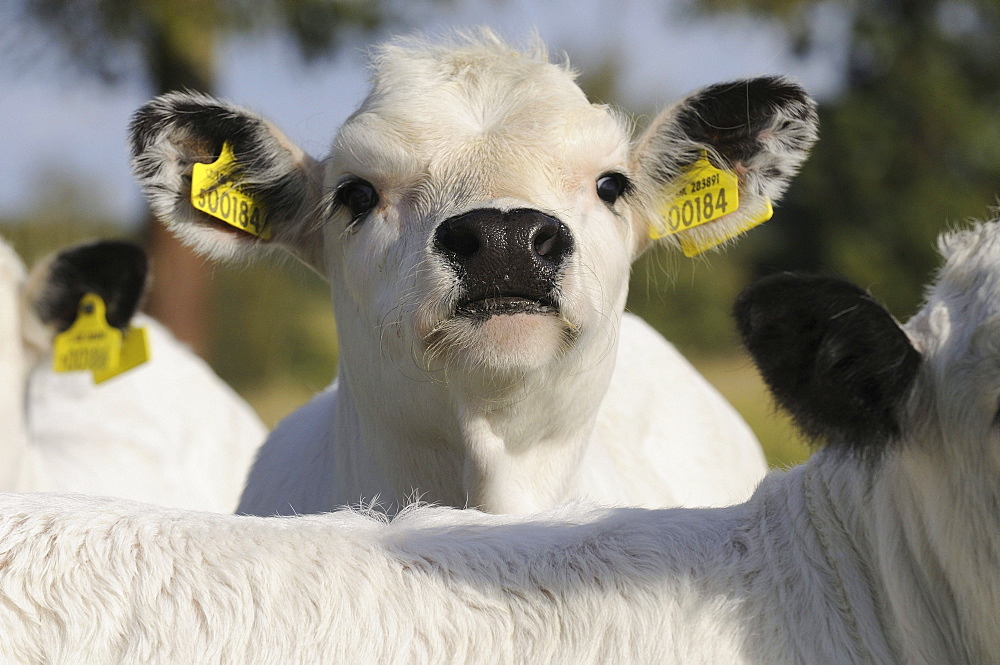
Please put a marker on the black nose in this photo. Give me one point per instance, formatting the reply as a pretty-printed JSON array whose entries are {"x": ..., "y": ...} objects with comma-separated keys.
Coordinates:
[
  {"x": 491, "y": 243},
  {"x": 518, "y": 253}
]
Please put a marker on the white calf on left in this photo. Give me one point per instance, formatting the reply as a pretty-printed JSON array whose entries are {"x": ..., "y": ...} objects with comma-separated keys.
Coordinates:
[{"x": 168, "y": 431}]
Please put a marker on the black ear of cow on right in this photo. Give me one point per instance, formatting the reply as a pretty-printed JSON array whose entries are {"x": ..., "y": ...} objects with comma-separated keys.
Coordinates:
[
  {"x": 832, "y": 356},
  {"x": 114, "y": 270}
]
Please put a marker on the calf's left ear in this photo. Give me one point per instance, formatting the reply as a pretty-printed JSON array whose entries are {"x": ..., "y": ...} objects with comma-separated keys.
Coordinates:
[
  {"x": 832, "y": 356},
  {"x": 757, "y": 131}
]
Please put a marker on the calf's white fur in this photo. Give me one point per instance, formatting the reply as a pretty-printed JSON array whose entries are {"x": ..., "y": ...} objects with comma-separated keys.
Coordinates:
[
  {"x": 883, "y": 548},
  {"x": 476, "y": 219},
  {"x": 168, "y": 432}
]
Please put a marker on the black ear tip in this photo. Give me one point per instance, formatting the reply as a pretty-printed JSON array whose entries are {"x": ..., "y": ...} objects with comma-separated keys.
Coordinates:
[
  {"x": 145, "y": 124},
  {"x": 152, "y": 118},
  {"x": 774, "y": 89},
  {"x": 113, "y": 269},
  {"x": 780, "y": 88},
  {"x": 831, "y": 356},
  {"x": 119, "y": 256},
  {"x": 771, "y": 301}
]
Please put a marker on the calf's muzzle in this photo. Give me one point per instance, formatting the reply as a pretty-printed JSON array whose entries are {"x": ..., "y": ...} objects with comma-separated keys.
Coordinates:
[{"x": 506, "y": 261}]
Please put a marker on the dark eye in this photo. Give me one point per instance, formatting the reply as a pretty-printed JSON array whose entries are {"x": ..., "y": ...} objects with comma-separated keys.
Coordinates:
[
  {"x": 610, "y": 186},
  {"x": 359, "y": 197}
]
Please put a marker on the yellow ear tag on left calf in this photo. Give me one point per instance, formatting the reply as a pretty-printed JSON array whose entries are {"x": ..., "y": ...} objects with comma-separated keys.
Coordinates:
[
  {"x": 91, "y": 344},
  {"x": 135, "y": 351}
]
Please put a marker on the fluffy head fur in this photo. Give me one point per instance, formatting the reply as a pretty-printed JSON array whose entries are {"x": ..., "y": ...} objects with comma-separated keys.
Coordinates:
[{"x": 472, "y": 123}]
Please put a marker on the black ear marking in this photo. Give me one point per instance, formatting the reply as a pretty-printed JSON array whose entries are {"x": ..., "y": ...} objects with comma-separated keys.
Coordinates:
[
  {"x": 204, "y": 124},
  {"x": 832, "y": 356},
  {"x": 114, "y": 270},
  {"x": 207, "y": 123},
  {"x": 733, "y": 117},
  {"x": 761, "y": 129}
]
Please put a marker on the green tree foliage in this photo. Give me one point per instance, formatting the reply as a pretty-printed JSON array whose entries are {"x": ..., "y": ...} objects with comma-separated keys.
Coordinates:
[{"x": 175, "y": 39}]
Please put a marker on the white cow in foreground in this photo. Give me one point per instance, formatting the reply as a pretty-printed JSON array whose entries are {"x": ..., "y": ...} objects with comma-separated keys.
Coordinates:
[
  {"x": 883, "y": 548},
  {"x": 476, "y": 219},
  {"x": 168, "y": 431}
]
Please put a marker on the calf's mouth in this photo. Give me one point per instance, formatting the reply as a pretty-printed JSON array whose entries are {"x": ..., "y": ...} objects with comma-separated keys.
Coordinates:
[{"x": 485, "y": 307}]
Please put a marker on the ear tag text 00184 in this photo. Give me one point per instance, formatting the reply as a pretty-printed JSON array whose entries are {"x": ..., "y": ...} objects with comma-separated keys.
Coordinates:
[
  {"x": 214, "y": 192},
  {"x": 91, "y": 344},
  {"x": 703, "y": 194}
]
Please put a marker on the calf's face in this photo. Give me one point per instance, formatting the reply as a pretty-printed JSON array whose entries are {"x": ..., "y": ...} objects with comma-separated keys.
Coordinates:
[
  {"x": 485, "y": 219},
  {"x": 477, "y": 211}
]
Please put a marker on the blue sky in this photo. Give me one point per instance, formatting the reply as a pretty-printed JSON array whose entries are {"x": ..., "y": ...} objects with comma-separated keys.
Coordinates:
[{"x": 58, "y": 124}]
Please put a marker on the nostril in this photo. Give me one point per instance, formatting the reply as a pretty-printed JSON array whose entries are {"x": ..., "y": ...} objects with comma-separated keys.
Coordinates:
[
  {"x": 545, "y": 241},
  {"x": 552, "y": 241},
  {"x": 458, "y": 239},
  {"x": 463, "y": 240}
]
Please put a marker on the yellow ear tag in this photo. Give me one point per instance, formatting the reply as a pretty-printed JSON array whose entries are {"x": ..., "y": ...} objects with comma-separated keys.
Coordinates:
[
  {"x": 214, "y": 192},
  {"x": 694, "y": 247},
  {"x": 135, "y": 351},
  {"x": 703, "y": 194},
  {"x": 91, "y": 344}
]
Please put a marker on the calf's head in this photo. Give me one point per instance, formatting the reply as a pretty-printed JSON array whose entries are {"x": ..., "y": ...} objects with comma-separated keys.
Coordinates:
[
  {"x": 114, "y": 270},
  {"x": 477, "y": 210}
]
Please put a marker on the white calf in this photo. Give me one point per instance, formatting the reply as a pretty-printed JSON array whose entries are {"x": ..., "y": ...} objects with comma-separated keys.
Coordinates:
[
  {"x": 883, "y": 548},
  {"x": 16, "y": 465},
  {"x": 476, "y": 219},
  {"x": 168, "y": 431}
]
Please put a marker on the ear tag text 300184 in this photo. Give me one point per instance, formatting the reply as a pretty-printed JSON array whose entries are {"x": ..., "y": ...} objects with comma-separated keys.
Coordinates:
[{"x": 215, "y": 193}]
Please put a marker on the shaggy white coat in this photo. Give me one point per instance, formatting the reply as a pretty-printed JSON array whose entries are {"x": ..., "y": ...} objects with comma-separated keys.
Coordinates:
[
  {"x": 521, "y": 412},
  {"x": 846, "y": 559},
  {"x": 168, "y": 432}
]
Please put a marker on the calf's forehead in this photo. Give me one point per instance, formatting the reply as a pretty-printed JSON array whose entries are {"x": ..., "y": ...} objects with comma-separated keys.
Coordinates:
[{"x": 482, "y": 113}]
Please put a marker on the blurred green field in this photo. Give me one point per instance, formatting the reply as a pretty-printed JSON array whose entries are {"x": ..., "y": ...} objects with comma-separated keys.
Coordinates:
[{"x": 737, "y": 379}]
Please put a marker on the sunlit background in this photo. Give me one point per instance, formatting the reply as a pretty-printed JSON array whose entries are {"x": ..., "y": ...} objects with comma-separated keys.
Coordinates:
[{"x": 910, "y": 145}]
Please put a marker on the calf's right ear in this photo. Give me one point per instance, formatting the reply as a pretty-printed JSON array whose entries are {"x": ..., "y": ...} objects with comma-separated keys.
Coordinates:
[
  {"x": 757, "y": 131},
  {"x": 175, "y": 131},
  {"x": 832, "y": 356}
]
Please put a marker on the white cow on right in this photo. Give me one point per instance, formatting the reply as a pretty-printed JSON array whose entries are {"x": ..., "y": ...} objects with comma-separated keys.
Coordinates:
[
  {"x": 477, "y": 219},
  {"x": 883, "y": 548}
]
